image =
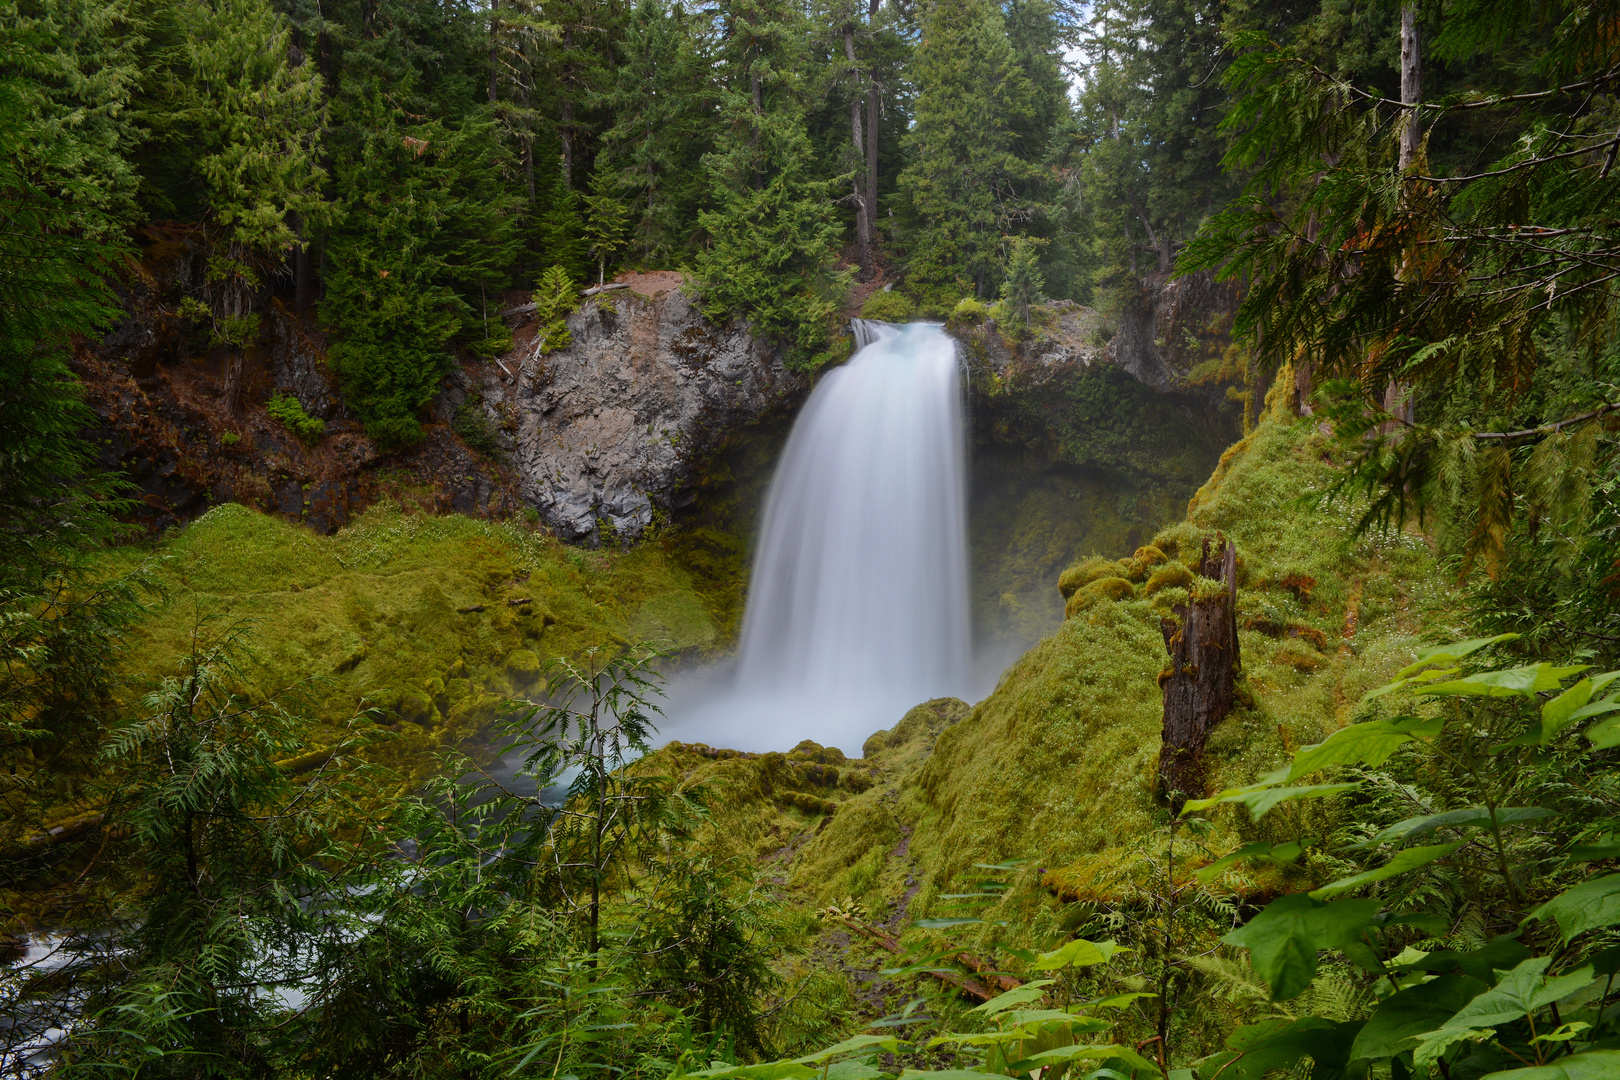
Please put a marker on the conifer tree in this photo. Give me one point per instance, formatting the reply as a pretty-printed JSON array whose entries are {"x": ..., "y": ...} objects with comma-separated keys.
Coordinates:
[
  {"x": 253, "y": 121},
  {"x": 965, "y": 184},
  {"x": 424, "y": 239},
  {"x": 661, "y": 104},
  {"x": 773, "y": 238},
  {"x": 605, "y": 220}
]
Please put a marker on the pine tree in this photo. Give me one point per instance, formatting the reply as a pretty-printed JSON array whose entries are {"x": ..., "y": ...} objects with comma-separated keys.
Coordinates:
[
  {"x": 661, "y": 103},
  {"x": 965, "y": 184},
  {"x": 1023, "y": 285},
  {"x": 425, "y": 236},
  {"x": 249, "y": 121},
  {"x": 605, "y": 221},
  {"x": 773, "y": 238}
]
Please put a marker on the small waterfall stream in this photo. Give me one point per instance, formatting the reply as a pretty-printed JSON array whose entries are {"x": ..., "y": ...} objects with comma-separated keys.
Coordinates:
[{"x": 858, "y": 598}]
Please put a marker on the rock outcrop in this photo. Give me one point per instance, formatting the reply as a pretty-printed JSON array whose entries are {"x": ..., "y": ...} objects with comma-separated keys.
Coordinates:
[
  {"x": 599, "y": 438},
  {"x": 609, "y": 432}
]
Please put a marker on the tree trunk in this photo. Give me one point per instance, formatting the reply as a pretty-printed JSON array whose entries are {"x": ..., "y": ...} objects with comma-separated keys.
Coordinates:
[
  {"x": 565, "y": 129},
  {"x": 872, "y": 132},
  {"x": 301, "y": 282},
  {"x": 494, "y": 51},
  {"x": 1411, "y": 84},
  {"x": 863, "y": 210},
  {"x": 1397, "y": 402},
  {"x": 1200, "y": 685}
]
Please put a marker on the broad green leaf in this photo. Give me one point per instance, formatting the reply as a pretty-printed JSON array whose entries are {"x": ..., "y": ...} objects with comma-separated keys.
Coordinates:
[
  {"x": 1262, "y": 797},
  {"x": 1470, "y": 817},
  {"x": 1520, "y": 993},
  {"x": 1604, "y": 736},
  {"x": 1432, "y": 1045},
  {"x": 1499, "y": 954},
  {"x": 1593, "y": 903},
  {"x": 1411, "y": 1012},
  {"x": 1445, "y": 655},
  {"x": 1279, "y": 853},
  {"x": 1509, "y": 682},
  {"x": 946, "y": 924},
  {"x": 1368, "y": 743},
  {"x": 1116, "y": 1001},
  {"x": 891, "y": 1043},
  {"x": 1604, "y": 847},
  {"x": 1404, "y": 860},
  {"x": 1085, "y": 1052},
  {"x": 1077, "y": 953},
  {"x": 1254, "y": 1051},
  {"x": 1568, "y": 708},
  {"x": 1592, "y": 1065},
  {"x": 853, "y": 1070},
  {"x": 942, "y": 1074},
  {"x": 1029, "y": 1018},
  {"x": 1432, "y": 675},
  {"x": 1284, "y": 939},
  {"x": 1023, "y": 995}
]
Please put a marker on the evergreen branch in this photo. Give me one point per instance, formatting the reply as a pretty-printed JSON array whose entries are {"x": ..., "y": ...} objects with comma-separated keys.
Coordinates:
[{"x": 1547, "y": 429}]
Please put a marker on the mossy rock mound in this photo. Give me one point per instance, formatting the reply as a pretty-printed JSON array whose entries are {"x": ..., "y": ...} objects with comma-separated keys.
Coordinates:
[
  {"x": 929, "y": 718},
  {"x": 1142, "y": 562},
  {"x": 1111, "y": 589},
  {"x": 1084, "y": 572},
  {"x": 523, "y": 665},
  {"x": 1173, "y": 576}
]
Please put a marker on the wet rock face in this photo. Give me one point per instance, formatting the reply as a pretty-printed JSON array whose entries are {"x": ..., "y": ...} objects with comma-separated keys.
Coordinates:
[{"x": 605, "y": 433}]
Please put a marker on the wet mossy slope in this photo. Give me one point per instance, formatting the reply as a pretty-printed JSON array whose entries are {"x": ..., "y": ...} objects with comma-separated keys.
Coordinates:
[{"x": 436, "y": 620}]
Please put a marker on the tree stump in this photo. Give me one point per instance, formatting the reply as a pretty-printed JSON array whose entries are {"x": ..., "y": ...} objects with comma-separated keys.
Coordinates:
[{"x": 1200, "y": 684}]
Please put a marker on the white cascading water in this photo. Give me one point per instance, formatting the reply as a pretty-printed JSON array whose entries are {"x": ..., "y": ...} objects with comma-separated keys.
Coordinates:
[{"x": 858, "y": 599}]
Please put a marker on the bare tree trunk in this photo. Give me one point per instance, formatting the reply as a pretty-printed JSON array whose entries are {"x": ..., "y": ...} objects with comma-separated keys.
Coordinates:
[
  {"x": 566, "y": 128},
  {"x": 494, "y": 51},
  {"x": 1397, "y": 401},
  {"x": 872, "y": 131},
  {"x": 1411, "y": 84},
  {"x": 301, "y": 282},
  {"x": 863, "y": 211},
  {"x": 1200, "y": 686}
]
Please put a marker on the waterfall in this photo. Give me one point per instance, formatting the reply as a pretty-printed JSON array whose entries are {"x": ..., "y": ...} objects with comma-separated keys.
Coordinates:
[{"x": 858, "y": 598}]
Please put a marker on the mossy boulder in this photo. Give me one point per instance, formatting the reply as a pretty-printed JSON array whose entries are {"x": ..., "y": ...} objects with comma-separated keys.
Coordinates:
[
  {"x": 1142, "y": 562},
  {"x": 1084, "y": 572},
  {"x": 1103, "y": 589},
  {"x": 415, "y": 706},
  {"x": 523, "y": 665},
  {"x": 929, "y": 718},
  {"x": 1171, "y": 576}
]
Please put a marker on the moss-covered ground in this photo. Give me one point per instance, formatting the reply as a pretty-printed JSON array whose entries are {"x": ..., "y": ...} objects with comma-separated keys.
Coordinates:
[{"x": 434, "y": 620}]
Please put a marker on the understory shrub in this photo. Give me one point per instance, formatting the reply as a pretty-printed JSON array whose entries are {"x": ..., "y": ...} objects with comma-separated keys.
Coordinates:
[
  {"x": 889, "y": 306},
  {"x": 290, "y": 411}
]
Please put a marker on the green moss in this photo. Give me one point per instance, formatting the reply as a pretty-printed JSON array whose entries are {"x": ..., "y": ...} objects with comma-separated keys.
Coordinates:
[
  {"x": 1101, "y": 590},
  {"x": 1084, "y": 572},
  {"x": 1174, "y": 576},
  {"x": 425, "y": 615}
]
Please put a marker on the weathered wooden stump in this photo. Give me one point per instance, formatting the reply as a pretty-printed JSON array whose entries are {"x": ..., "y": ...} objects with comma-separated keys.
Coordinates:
[{"x": 1200, "y": 684}]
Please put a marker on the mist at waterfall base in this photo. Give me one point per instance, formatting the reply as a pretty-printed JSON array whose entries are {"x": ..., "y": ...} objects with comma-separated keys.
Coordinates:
[{"x": 858, "y": 596}]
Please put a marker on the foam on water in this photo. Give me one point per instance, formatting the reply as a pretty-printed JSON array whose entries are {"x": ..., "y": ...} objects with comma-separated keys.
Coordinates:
[{"x": 858, "y": 598}]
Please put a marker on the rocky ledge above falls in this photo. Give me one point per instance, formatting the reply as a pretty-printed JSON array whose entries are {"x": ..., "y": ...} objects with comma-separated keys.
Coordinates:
[
  {"x": 1065, "y": 391},
  {"x": 612, "y": 430}
]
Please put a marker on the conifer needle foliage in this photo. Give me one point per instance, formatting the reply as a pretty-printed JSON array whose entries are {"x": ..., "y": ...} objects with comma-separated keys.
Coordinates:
[{"x": 1461, "y": 318}]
